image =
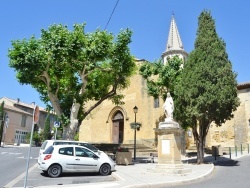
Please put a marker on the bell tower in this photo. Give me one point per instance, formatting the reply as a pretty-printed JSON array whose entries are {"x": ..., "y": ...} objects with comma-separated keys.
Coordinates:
[{"x": 174, "y": 44}]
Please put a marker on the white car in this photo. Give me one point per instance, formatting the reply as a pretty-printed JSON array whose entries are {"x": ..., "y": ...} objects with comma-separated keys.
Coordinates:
[
  {"x": 57, "y": 159},
  {"x": 48, "y": 143}
]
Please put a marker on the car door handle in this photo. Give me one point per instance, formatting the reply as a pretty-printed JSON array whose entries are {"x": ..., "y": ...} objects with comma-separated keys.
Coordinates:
[{"x": 77, "y": 159}]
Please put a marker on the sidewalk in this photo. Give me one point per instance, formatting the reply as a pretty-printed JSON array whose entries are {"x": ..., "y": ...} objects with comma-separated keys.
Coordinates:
[{"x": 138, "y": 176}]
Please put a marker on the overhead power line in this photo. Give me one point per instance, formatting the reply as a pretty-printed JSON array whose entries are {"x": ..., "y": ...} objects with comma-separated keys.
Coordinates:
[{"x": 111, "y": 14}]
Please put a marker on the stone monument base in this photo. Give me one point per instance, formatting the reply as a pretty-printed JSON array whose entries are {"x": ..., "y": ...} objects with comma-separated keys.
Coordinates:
[
  {"x": 177, "y": 169},
  {"x": 169, "y": 124}
]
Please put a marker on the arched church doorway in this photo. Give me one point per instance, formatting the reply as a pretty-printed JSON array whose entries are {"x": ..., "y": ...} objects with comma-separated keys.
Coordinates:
[{"x": 118, "y": 128}]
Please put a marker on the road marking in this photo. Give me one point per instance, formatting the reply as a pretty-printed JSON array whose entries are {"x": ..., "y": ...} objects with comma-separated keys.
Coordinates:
[
  {"x": 115, "y": 175},
  {"x": 11, "y": 153},
  {"x": 99, "y": 185},
  {"x": 22, "y": 157},
  {"x": 87, "y": 185},
  {"x": 21, "y": 176}
]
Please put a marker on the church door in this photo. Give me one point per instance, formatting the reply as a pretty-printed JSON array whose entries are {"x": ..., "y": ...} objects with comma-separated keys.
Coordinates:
[{"x": 118, "y": 128}]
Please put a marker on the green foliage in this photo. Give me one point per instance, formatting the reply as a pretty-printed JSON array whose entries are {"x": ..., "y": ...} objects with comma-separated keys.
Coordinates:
[
  {"x": 2, "y": 111},
  {"x": 46, "y": 131},
  {"x": 64, "y": 66},
  {"x": 162, "y": 78},
  {"x": 37, "y": 138},
  {"x": 208, "y": 88},
  {"x": 207, "y": 91},
  {"x": 136, "y": 125},
  {"x": 76, "y": 137}
]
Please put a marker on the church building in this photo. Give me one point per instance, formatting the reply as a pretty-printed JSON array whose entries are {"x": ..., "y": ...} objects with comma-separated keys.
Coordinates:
[{"x": 109, "y": 123}]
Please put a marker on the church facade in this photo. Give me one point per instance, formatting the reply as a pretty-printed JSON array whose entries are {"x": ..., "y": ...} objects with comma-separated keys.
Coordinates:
[
  {"x": 109, "y": 123},
  {"x": 113, "y": 124}
]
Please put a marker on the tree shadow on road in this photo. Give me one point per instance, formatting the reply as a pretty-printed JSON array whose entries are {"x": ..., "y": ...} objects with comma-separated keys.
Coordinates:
[{"x": 217, "y": 161}]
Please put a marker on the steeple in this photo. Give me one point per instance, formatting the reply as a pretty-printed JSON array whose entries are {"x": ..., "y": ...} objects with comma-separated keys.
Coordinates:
[{"x": 174, "y": 44}]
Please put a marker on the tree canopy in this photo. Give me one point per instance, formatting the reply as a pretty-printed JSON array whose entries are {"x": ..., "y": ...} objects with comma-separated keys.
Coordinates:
[
  {"x": 70, "y": 67},
  {"x": 207, "y": 91},
  {"x": 162, "y": 78}
]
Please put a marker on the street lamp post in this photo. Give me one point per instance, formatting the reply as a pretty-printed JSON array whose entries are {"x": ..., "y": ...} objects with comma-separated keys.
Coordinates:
[{"x": 135, "y": 111}]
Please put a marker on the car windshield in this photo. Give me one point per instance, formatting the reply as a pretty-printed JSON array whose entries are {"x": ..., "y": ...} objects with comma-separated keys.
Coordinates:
[{"x": 91, "y": 147}]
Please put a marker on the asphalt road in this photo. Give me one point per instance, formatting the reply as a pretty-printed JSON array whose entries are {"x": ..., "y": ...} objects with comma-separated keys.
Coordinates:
[
  {"x": 13, "y": 162},
  {"x": 13, "y": 170},
  {"x": 227, "y": 174}
]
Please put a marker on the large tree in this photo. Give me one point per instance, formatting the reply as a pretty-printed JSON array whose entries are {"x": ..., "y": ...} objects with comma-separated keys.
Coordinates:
[
  {"x": 207, "y": 91},
  {"x": 69, "y": 68}
]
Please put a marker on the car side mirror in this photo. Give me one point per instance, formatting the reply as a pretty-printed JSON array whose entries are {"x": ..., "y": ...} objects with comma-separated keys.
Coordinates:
[{"x": 95, "y": 157}]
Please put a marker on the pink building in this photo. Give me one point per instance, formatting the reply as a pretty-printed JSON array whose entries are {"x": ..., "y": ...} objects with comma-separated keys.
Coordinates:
[{"x": 20, "y": 120}]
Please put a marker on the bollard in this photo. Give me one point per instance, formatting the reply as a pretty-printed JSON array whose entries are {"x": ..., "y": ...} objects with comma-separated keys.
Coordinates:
[
  {"x": 241, "y": 149},
  {"x": 152, "y": 158},
  {"x": 230, "y": 152},
  {"x": 235, "y": 151}
]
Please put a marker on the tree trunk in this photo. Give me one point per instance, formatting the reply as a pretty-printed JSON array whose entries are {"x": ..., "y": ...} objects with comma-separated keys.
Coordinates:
[
  {"x": 70, "y": 131},
  {"x": 200, "y": 150},
  {"x": 200, "y": 138}
]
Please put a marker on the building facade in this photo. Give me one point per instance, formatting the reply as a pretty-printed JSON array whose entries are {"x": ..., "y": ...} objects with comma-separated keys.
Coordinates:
[
  {"x": 20, "y": 117},
  {"x": 234, "y": 132},
  {"x": 109, "y": 123}
]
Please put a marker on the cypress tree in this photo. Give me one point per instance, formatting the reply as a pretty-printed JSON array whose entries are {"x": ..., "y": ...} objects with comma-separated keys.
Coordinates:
[
  {"x": 207, "y": 91},
  {"x": 46, "y": 131}
]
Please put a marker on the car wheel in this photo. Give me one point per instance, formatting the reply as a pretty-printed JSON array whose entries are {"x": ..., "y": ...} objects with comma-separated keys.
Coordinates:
[
  {"x": 105, "y": 170},
  {"x": 54, "y": 171}
]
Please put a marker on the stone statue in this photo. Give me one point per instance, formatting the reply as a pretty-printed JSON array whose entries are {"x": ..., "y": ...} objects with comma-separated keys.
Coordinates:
[{"x": 168, "y": 107}]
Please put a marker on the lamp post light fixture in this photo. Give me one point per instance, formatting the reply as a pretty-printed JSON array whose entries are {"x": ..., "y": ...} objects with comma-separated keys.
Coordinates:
[{"x": 135, "y": 111}]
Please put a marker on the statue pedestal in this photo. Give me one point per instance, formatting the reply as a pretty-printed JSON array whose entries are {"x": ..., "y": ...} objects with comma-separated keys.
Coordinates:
[
  {"x": 169, "y": 148},
  {"x": 169, "y": 143}
]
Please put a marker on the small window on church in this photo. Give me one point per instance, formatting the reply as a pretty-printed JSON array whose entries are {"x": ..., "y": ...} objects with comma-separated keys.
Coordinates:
[{"x": 156, "y": 102}]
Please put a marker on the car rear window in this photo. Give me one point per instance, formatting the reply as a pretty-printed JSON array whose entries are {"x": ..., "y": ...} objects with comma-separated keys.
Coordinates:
[
  {"x": 49, "y": 150},
  {"x": 44, "y": 145}
]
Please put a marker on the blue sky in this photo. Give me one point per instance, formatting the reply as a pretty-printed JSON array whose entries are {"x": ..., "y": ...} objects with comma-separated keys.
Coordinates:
[{"x": 148, "y": 19}]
